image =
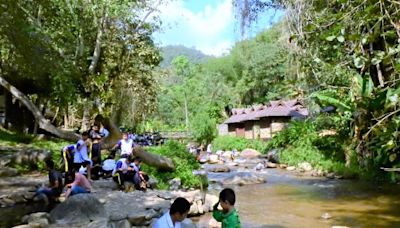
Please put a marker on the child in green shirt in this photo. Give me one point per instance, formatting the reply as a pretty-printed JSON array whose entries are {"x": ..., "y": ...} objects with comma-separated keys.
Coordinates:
[{"x": 228, "y": 216}]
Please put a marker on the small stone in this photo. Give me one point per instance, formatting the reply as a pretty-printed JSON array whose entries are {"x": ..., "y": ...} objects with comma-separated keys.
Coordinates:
[
  {"x": 283, "y": 166},
  {"x": 326, "y": 216},
  {"x": 291, "y": 168},
  {"x": 330, "y": 175},
  {"x": 271, "y": 165},
  {"x": 305, "y": 167}
]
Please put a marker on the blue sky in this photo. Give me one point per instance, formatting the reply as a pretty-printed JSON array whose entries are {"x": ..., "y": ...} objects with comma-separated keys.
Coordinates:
[{"x": 207, "y": 25}]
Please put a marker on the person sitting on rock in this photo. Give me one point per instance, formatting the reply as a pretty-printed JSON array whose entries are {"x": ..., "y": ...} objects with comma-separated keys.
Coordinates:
[
  {"x": 228, "y": 216},
  {"x": 176, "y": 214},
  {"x": 140, "y": 178},
  {"x": 108, "y": 166},
  {"x": 123, "y": 172},
  {"x": 51, "y": 193},
  {"x": 79, "y": 184},
  {"x": 125, "y": 144}
]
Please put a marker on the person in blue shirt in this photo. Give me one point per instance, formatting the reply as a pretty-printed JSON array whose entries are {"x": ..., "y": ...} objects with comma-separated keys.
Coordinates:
[
  {"x": 140, "y": 178},
  {"x": 123, "y": 172}
]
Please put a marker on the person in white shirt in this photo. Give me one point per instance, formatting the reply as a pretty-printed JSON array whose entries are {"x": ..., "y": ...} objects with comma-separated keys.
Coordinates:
[
  {"x": 176, "y": 214},
  {"x": 81, "y": 157},
  {"x": 125, "y": 144},
  {"x": 209, "y": 149}
]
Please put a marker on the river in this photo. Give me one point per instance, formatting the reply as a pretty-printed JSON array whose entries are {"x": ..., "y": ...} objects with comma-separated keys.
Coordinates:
[{"x": 287, "y": 200}]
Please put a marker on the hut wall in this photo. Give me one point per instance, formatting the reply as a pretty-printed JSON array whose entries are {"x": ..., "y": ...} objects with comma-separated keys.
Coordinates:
[
  {"x": 223, "y": 129},
  {"x": 249, "y": 130},
  {"x": 265, "y": 128},
  {"x": 278, "y": 123}
]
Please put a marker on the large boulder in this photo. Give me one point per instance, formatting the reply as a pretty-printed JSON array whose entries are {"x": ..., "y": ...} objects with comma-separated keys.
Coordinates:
[
  {"x": 273, "y": 156},
  {"x": 8, "y": 172},
  {"x": 213, "y": 158},
  {"x": 218, "y": 168},
  {"x": 175, "y": 183},
  {"x": 243, "y": 178},
  {"x": 249, "y": 153},
  {"x": 210, "y": 201},
  {"x": 78, "y": 209}
]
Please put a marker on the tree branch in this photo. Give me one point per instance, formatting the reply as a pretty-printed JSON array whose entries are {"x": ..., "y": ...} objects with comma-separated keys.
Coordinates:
[
  {"x": 97, "y": 48},
  {"x": 40, "y": 119}
]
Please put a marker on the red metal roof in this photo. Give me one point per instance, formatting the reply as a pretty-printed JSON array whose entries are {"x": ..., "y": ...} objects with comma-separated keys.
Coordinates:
[{"x": 290, "y": 108}]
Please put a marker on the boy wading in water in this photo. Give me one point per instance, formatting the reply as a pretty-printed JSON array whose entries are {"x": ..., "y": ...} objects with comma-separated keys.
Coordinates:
[{"x": 228, "y": 216}]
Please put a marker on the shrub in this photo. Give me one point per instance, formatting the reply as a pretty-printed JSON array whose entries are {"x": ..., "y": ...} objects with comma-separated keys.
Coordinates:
[
  {"x": 184, "y": 163},
  {"x": 238, "y": 143}
]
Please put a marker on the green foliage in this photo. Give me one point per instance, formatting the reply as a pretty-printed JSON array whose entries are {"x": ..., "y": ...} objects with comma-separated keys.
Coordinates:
[
  {"x": 185, "y": 163},
  {"x": 238, "y": 143},
  {"x": 301, "y": 142},
  {"x": 64, "y": 35},
  {"x": 203, "y": 127}
]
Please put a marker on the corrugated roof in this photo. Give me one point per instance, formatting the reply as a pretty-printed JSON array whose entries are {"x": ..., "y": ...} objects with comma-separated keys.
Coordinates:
[{"x": 290, "y": 108}]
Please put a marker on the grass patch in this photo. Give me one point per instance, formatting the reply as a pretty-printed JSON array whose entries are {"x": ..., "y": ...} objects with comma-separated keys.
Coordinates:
[
  {"x": 184, "y": 163},
  {"x": 12, "y": 139}
]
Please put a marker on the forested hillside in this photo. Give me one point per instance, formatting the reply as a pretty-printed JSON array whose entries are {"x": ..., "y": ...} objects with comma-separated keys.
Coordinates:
[{"x": 170, "y": 52}]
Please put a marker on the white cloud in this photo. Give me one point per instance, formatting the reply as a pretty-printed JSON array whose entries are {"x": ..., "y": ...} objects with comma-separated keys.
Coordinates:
[{"x": 209, "y": 30}]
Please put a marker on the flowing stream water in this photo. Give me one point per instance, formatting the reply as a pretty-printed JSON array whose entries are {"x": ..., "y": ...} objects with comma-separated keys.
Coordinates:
[{"x": 287, "y": 200}]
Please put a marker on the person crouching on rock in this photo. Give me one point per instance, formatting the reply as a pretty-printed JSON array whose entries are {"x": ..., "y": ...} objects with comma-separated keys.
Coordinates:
[
  {"x": 50, "y": 194},
  {"x": 176, "y": 214},
  {"x": 79, "y": 184},
  {"x": 123, "y": 172},
  {"x": 140, "y": 178}
]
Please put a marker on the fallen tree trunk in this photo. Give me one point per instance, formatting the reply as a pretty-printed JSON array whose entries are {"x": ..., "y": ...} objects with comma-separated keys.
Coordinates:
[
  {"x": 39, "y": 118},
  {"x": 160, "y": 162}
]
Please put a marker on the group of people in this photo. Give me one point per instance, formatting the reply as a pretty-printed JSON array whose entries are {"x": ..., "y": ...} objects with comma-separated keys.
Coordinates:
[
  {"x": 179, "y": 210},
  {"x": 83, "y": 163},
  {"x": 196, "y": 151}
]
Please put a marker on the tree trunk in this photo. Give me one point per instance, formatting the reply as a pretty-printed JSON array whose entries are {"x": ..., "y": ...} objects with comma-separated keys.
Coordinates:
[
  {"x": 40, "y": 119},
  {"x": 86, "y": 116},
  {"x": 66, "y": 119},
  {"x": 160, "y": 162}
]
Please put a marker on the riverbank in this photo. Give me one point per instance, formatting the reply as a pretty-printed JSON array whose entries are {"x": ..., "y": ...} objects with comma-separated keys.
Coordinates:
[{"x": 108, "y": 207}]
